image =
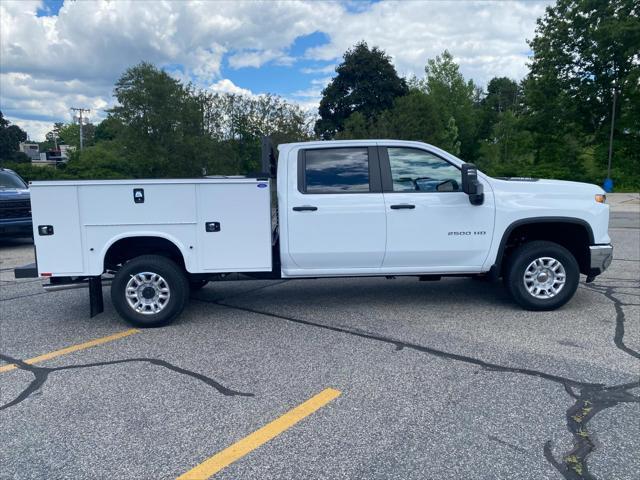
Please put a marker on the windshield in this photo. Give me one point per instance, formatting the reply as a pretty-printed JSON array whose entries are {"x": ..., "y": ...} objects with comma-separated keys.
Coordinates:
[{"x": 10, "y": 180}]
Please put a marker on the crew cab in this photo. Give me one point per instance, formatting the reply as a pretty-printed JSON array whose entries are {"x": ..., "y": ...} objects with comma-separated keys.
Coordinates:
[{"x": 343, "y": 209}]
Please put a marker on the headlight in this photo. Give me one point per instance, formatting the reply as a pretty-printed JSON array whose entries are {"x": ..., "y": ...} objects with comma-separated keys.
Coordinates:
[{"x": 601, "y": 198}]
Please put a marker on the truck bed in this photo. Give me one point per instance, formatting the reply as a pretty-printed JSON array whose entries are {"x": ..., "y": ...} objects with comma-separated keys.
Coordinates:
[{"x": 88, "y": 217}]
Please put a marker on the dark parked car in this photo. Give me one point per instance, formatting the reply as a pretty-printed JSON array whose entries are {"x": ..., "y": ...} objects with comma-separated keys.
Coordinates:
[{"x": 15, "y": 205}]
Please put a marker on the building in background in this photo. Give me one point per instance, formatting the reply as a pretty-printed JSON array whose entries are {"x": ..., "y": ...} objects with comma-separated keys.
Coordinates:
[
  {"x": 32, "y": 150},
  {"x": 54, "y": 156}
]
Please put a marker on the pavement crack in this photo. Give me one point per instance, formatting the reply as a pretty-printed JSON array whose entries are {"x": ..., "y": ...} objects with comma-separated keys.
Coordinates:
[
  {"x": 247, "y": 292},
  {"x": 41, "y": 374},
  {"x": 589, "y": 402},
  {"x": 618, "y": 338},
  {"x": 401, "y": 344},
  {"x": 590, "y": 398},
  {"x": 510, "y": 446},
  {"x": 23, "y": 296}
]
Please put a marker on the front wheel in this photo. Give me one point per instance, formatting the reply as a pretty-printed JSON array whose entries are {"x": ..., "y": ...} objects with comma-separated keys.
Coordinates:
[
  {"x": 150, "y": 291},
  {"x": 542, "y": 275}
]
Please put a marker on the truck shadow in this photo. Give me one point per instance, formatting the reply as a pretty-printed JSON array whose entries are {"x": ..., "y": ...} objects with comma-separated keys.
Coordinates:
[
  {"x": 364, "y": 293},
  {"x": 15, "y": 242}
]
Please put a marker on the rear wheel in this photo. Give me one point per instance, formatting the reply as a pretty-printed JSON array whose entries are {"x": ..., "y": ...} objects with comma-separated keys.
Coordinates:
[
  {"x": 542, "y": 275},
  {"x": 150, "y": 291}
]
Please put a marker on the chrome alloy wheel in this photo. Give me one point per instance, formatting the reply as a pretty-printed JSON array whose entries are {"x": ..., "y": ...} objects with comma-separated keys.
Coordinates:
[
  {"x": 147, "y": 293},
  {"x": 544, "y": 277}
]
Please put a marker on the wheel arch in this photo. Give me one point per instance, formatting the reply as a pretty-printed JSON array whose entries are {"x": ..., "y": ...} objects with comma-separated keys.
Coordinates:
[
  {"x": 550, "y": 229},
  {"x": 129, "y": 245}
]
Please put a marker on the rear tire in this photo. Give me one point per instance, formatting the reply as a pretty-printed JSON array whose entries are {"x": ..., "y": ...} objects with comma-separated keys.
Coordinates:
[
  {"x": 150, "y": 291},
  {"x": 542, "y": 275}
]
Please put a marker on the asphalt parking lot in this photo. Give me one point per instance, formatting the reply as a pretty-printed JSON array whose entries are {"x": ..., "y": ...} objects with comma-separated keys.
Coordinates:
[{"x": 349, "y": 378}]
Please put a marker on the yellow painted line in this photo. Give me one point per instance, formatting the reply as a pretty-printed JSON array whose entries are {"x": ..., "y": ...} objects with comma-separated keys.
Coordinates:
[
  {"x": 71, "y": 349},
  {"x": 249, "y": 443}
]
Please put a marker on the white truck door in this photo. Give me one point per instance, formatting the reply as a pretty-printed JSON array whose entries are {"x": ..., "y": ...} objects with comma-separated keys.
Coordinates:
[
  {"x": 336, "y": 214},
  {"x": 430, "y": 222}
]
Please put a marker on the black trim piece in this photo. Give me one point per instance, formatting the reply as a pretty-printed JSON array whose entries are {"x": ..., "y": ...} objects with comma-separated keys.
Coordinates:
[
  {"x": 26, "y": 271},
  {"x": 375, "y": 183},
  {"x": 268, "y": 159},
  {"x": 403, "y": 206},
  {"x": 305, "y": 208},
  {"x": 385, "y": 170},
  {"x": 212, "y": 227},
  {"x": 301, "y": 165},
  {"x": 518, "y": 179},
  {"x": 532, "y": 220},
  {"x": 385, "y": 167},
  {"x": 96, "y": 301}
]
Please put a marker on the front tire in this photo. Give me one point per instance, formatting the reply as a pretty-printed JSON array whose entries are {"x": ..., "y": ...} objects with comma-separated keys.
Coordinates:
[
  {"x": 150, "y": 291},
  {"x": 542, "y": 275}
]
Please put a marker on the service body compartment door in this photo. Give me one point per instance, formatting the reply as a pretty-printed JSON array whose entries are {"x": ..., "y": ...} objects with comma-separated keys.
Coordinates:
[
  {"x": 234, "y": 226},
  {"x": 58, "y": 253},
  {"x": 335, "y": 212}
]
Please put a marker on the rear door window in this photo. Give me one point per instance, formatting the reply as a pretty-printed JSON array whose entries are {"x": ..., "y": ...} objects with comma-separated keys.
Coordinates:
[{"x": 336, "y": 170}]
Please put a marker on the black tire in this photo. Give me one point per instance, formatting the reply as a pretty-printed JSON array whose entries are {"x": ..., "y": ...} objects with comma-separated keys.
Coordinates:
[
  {"x": 523, "y": 257},
  {"x": 195, "y": 285},
  {"x": 173, "y": 278}
]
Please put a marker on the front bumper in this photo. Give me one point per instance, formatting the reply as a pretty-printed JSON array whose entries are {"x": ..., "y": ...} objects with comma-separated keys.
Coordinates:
[
  {"x": 601, "y": 257},
  {"x": 16, "y": 228}
]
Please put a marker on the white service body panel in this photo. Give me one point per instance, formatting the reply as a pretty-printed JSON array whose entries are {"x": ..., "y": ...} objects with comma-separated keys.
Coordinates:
[{"x": 88, "y": 217}]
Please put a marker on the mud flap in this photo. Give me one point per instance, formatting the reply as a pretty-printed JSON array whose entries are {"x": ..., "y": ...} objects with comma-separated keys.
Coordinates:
[{"x": 96, "y": 302}]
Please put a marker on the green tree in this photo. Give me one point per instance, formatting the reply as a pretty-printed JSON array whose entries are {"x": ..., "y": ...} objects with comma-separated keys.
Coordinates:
[
  {"x": 503, "y": 94},
  {"x": 69, "y": 134},
  {"x": 52, "y": 137},
  {"x": 583, "y": 51},
  {"x": 508, "y": 149},
  {"x": 412, "y": 117},
  {"x": 108, "y": 129},
  {"x": 164, "y": 128},
  {"x": 159, "y": 113},
  {"x": 10, "y": 138},
  {"x": 366, "y": 82},
  {"x": 453, "y": 97}
]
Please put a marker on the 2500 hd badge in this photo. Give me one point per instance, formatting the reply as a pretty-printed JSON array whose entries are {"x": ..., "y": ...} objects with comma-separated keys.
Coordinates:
[{"x": 455, "y": 234}]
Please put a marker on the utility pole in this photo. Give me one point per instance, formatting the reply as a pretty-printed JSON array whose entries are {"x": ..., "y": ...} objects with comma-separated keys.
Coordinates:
[
  {"x": 613, "y": 121},
  {"x": 80, "y": 112}
]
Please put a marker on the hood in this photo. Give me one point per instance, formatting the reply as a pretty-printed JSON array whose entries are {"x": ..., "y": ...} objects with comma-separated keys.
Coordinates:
[
  {"x": 14, "y": 194},
  {"x": 541, "y": 184}
]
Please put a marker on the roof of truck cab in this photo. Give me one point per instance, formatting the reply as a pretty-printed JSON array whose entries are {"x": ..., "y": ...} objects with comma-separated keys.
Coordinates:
[
  {"x": 288, "y": 147},
  {"x": 340, "y": 143}
]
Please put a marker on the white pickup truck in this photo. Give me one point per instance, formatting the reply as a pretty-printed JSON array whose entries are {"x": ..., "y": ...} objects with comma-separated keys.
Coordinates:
[{"x": 344, "y": 208}]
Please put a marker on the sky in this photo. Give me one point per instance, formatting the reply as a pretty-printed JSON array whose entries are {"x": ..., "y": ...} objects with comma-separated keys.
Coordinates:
[{"x": 58, "y": 54}]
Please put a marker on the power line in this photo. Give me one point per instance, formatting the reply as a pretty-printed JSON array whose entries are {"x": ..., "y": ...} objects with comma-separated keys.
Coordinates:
[{"x": 80, "y": 112}]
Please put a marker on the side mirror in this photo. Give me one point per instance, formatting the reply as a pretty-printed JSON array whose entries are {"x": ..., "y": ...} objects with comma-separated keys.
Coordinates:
[{"x": 471, "y": 185}]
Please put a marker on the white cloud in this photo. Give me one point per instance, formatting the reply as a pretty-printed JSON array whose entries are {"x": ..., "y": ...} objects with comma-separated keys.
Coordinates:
[
  {"x": 486, "y": 38},
  {"x": 36, "y": 129},
  {"x": 227, "y": 86},
  {"x": 48, "y": 64},
  {"x": 258, "y": 58},
  {"x": 325, "y": 69}
]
